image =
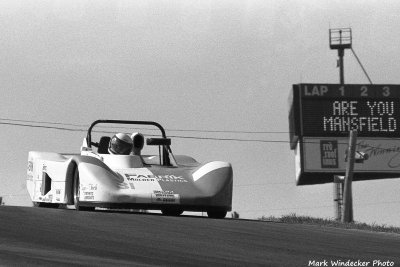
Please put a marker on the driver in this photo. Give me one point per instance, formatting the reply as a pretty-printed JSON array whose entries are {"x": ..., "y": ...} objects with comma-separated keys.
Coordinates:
[{"x": 120, "y": 144}]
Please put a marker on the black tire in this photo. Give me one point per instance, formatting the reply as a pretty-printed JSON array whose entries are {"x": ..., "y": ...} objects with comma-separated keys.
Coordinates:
[
  {"x": 171, "y": 211},
  {"x": 76, "y": 194},
  {"x": 46, "y": 205},
  {"x": 217, "y": 214}
]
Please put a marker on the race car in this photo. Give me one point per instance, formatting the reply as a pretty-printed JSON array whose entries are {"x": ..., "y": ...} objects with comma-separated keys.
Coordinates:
[{"x": 99, "y": 177}]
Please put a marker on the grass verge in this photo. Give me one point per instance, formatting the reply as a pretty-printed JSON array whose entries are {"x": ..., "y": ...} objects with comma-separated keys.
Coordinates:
[{"x": 295, "y": 219}]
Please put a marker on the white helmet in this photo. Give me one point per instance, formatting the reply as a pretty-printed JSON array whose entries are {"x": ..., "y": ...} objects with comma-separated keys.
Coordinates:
[{"x": 120, "y": 144}]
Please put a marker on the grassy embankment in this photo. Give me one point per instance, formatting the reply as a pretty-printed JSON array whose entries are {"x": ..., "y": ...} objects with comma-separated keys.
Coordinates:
[{"x": 295, "y": 219}]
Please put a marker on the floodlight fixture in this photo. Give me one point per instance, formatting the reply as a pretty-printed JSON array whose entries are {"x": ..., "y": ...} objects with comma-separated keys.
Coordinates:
[{"x": 340, "y": 38}]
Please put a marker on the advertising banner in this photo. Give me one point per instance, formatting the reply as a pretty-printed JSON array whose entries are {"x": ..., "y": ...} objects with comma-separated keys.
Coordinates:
[
  {"x": 329, "y": 154},
  {"x": 321, "y": 158}
]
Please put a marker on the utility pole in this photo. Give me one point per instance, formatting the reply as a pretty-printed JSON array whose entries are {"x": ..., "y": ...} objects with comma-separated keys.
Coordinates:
[
  {"x": 339, "y": 39},
  {"x": 341, "y": 65},
  {"x": 338, "y": 196},
  {"x": 348, "y": 179}
]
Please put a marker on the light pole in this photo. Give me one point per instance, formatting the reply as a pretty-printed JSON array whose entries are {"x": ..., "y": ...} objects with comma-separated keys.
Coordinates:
[{"x": 340, "y": 39}]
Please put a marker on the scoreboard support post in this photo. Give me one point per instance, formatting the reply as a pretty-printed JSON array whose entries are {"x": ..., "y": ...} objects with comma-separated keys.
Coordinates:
[
  {"x": 338, "y": 185},
  {"x": 348, "y": 179}
]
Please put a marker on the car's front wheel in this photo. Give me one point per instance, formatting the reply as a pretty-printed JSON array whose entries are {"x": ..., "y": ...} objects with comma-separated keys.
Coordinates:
[
  {"x": 172, "y": 211},
  {"x": 76, "y": 192},
  {"x": 216, "y": 214}
]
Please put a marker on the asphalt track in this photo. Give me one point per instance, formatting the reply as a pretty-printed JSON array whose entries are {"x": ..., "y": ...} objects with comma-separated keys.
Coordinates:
[{"x": 55, "y": 237}]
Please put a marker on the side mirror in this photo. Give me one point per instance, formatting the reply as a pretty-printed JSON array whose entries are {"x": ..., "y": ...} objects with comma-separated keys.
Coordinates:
[{"x": 158, "y": 141}]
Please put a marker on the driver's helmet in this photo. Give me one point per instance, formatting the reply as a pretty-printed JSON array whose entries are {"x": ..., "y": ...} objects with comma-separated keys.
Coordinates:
[{"x": 120, "y": 144}]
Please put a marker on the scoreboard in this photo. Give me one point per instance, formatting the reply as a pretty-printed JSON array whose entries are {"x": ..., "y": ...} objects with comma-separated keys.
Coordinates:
[
  {"x": 324, "y": 114},
  {"x": 333, "y": 110}
]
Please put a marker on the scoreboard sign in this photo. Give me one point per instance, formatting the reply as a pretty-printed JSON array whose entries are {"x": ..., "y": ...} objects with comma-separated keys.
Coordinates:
[
  {"x": 334, "y": 110},
  {"x": 326, "y": 113}
]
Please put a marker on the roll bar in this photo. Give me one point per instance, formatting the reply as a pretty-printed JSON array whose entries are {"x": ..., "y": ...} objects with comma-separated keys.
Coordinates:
[{"x": 89, "y": 133}]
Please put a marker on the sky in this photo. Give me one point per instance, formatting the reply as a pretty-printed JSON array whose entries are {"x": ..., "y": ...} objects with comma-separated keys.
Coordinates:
[{"x": 197, "y": 66}]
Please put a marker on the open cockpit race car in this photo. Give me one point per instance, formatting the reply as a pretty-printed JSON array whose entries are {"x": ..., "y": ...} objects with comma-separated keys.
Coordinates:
[{"x": 98, "y": 177}]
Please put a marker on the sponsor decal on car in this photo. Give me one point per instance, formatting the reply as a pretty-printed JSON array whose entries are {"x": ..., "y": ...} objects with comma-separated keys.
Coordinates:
[
  {"x": 164, "y": 197},
  {"x": 151, "y": 178},
  {"x": 30, "y": 166},
  {"x": 88, "y": 191},
  {"x": 140, "y": 180},
  {"x": 89, "y": 187},
  {"x": 88, "y": 195},
  {"x": 48, "y": 198}
]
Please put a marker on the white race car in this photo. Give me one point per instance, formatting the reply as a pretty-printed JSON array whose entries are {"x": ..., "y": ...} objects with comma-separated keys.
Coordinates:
[{"x": 160, "y": 181}]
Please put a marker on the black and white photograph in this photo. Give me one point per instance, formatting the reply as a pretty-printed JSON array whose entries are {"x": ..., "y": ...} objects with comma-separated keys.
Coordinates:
[{"x": 199, "y": 133}]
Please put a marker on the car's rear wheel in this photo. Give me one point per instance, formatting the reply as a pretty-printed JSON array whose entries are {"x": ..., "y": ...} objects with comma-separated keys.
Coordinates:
[
  {"x": 171, "y": 211},
  {"x": 216, "y": 214},
  {"x": 76, "y": 193}
]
